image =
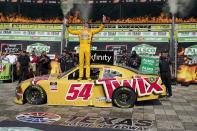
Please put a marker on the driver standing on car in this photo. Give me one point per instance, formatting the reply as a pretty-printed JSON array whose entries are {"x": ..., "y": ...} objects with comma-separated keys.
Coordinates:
[{"x": 85, "y": 36}]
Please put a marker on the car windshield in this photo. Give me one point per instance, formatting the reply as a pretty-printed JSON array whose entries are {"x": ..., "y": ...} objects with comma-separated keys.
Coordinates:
[{"x": 63, "y": 74}]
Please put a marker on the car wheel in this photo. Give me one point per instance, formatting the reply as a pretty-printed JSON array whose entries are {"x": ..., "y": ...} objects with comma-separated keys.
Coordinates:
[
  {"x": 124, "y": 97},
  {"x": 35, "y": 95}
]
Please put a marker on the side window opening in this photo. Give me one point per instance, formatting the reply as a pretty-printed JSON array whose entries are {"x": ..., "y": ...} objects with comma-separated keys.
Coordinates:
[{"x": 108, "y": 73}]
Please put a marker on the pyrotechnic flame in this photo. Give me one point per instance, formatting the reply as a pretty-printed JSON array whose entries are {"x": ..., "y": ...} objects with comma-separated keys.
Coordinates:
[
  {"x": 75, "y": 19},
  {"x": 187, "y": 73}
]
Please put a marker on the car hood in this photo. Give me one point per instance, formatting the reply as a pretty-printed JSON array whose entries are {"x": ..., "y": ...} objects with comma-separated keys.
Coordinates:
[{"x": 35, "y": 80}]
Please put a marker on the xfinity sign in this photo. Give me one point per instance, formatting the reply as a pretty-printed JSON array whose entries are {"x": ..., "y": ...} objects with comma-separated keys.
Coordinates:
[{"x": 102, "y": 57}]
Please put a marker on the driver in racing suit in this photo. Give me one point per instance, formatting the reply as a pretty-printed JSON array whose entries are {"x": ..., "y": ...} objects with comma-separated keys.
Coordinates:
[{"x": 85, "y": 36}]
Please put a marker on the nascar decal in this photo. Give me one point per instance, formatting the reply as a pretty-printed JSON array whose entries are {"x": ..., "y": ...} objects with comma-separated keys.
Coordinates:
[
  {"x": 53, "y": 86},
  {"x": 79, "y": 90},
  {"x": 143, "y": 86},
  {"x": 38, "y": 117}
]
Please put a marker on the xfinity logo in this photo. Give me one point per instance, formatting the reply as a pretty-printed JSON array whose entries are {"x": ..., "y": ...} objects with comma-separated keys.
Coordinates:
[{"x": 102, "y": 57}]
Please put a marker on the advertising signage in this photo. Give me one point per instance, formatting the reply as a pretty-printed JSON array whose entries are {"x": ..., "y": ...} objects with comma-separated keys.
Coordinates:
[{"x": 126, "y": 37}]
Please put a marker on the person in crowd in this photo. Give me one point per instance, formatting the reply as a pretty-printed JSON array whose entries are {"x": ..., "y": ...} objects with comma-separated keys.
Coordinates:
[
  {"x": 3, "y": 58},
  {"x": 123, "y": 60},
  {"x": 44, "y": 63},
  {"x": 85, "y": 36},
  {"x": 12, "y": 58},
  {"x": 55, "y": 66},
  {"x": 134, "y": 60},
  {"x": 66, "y": 61},
  {"x": 23, "y": 66},
  {"x": 33, "y": 63},
  {"x": 165, "y": 71},
  {"x": 63, "y": 61},
  {"x": 35, "y": 51},
  {"x": 75, "y": 58}
]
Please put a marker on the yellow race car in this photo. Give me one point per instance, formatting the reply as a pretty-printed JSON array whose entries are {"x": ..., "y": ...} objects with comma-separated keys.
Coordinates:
[{"x": 109, "y": 86}]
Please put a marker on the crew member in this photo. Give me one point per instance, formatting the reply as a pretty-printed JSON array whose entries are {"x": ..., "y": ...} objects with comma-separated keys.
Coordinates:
[
  {"x": 85, "y": 36},
  {"x": 44, "y": 63},
  {"x": 23, "y": 62},
  {"x": 165, "y": 72},
  {"x": 134, "y": 60}
]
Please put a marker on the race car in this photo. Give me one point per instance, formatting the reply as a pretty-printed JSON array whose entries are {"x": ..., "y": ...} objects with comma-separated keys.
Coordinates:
[{"x": 109, "y": 86}]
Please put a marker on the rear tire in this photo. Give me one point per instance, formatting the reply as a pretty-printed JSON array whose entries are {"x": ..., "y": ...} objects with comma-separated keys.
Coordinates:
[
  {"x": 124, "y": 97},
  {"x": 35, "y": 95}
]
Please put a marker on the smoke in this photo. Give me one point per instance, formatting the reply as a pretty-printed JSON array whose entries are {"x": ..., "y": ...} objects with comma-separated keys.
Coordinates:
[
  {"x": 182, "y": 7},
  {"x": 82, "y": 6}
]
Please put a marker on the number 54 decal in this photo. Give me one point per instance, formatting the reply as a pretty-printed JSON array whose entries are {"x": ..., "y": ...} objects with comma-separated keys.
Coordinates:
[{"x": 77, "y": 91}]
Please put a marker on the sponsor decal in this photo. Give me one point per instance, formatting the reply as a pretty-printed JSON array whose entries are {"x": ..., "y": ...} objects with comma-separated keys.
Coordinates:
[
  {"x": 191, "y": 52},
  {"x": 53, "y": 86},
  {"x": 187, "y": 63},
  {"x": 2, "y": 67},
  {"x": 145, "y": 49},
  {"x": 143, "y": 86},
  {"x": 38, "y": 117},
  {"x": 5, "y": 71},
  {"x": 79, "y": 91},
  {"x": 37, "y": 79},
  {"x": 108, "y": 122}
]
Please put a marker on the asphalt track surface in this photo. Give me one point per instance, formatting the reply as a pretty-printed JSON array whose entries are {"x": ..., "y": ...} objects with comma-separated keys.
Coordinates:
[{"x": 178, "y": 113}]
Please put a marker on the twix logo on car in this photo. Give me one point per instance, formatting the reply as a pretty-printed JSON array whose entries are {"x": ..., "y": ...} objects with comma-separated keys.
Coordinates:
[{"x": 143, "y": 86}]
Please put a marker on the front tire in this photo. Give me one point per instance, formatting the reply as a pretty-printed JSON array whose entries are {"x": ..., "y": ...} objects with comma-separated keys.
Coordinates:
[
  {"x": 124, "y": 97},
  {"x": 35, "y": 95}
]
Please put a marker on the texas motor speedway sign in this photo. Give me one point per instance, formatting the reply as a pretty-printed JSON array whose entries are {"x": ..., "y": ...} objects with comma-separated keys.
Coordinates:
[{"x": 108, "y": 122}]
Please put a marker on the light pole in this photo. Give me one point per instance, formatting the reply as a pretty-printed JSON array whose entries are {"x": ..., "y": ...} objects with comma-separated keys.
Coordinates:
[{"x": 173, "y": 47}]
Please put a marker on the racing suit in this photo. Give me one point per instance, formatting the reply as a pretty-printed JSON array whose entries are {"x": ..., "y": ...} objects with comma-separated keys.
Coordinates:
[{"x": 85, "y": 37}]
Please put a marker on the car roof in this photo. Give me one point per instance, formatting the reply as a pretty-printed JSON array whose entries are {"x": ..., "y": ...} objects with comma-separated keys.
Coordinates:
[
  {"x": 114, "y": 66},
  {"x": 102, "y": 66}
]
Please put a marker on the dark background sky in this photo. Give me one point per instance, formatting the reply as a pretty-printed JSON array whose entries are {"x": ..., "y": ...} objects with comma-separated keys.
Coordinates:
[{"x": 114, "y": 11}]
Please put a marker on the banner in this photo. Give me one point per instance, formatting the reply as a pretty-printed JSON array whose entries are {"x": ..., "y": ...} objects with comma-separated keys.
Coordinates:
[
  {"x": 27, "y": 26},
  {"x": 30, "y": 38},
  {"x": 39, "y": 47},
  {"x": 149, "y": 65},
  {"x": 187, "y": 63},
  {"x": 126, "y": 37},
  {"x": 128, "y": 34},
  {"x": 5, "y": 71},
  {"x": 30, "y": 33},
  {"x": 11, "y": 47},
  {"x": 51, "y": 47}
]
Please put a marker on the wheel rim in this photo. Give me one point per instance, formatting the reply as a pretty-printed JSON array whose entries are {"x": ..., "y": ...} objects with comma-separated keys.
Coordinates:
[
  {"x": 34, "y": 95},
  {"x": 123, "y": 98}
]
